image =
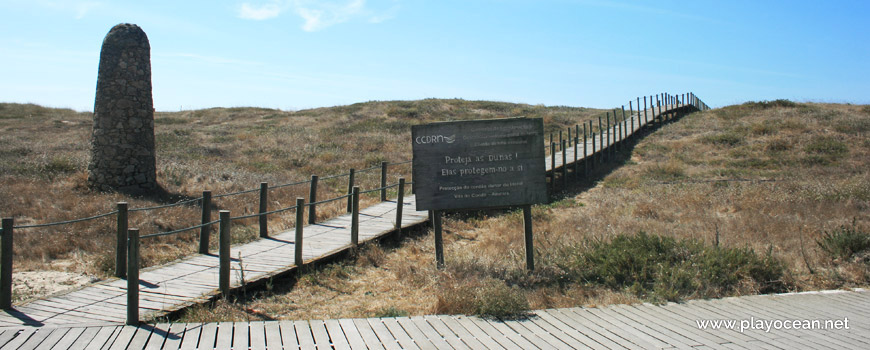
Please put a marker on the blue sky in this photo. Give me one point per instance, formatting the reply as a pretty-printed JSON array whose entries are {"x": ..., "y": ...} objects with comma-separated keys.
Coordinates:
[{"x": 295, "y": 54}]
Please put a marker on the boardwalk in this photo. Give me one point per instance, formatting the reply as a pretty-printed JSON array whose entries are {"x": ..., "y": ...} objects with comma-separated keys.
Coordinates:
[
  {"x": 195, "y": 279},
  {"x": 841, "y": 320}
]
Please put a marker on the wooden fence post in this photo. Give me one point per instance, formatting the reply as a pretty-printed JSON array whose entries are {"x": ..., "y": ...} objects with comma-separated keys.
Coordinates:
[
  {"x": 553, "y": 166},
  {"x": 350, "y": 190},
  {"x": 121, "y": 241},
  {"x": 439, "y": 241},
  {"x": 297, "y": 241},
  {"x": 527, "y": 229},
  {"x": 585, "y": 157},
  {"x": 205, "y": 231},
  {"x": 354, "y": 218},
  {"x": 312, "y": 198},
  {"x": 224, "y": 253},
  {"x": 564, "y": 166},
  {"x": 609, "y": 134},
  {"x": 133, "y": 277},
  {"x": 576, "y": 141},
  {"x": 6, "y": 252},
  {"x": 264, "y": 205},
  {"x": 400, "y": 202},
  {"x": 383, "y": 181},
  {"x": 645, "y": 120},
  {"x": 569, "y": 136},
  {"x": 623, "y": 125}
]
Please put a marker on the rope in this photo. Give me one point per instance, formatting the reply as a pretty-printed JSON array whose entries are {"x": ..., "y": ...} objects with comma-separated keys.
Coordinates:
[
  {"x": 234, "y": 193},
  {"x": 67, "y": 222},
  {"x": 329, "y": 200},
  {"x": 290, "y": 184},
  {"x": 166, "y": 206},
  {"x": 334, "y": 176},
  {"x": 178, "y": 231},
  {"x": 369, "y": 168}
]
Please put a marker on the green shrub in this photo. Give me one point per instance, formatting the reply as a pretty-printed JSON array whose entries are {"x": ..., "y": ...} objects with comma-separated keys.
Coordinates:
[
  {"x": 390, "y": 312},
  {"x": 724, "y": 139},
  {"x": 661, "y": 268},
  {"x": 844, "y": 242},
  {"x": 495, "y": 299},
  {"x": 771, "y": 104},
  {"x": 826, "y": 145}
]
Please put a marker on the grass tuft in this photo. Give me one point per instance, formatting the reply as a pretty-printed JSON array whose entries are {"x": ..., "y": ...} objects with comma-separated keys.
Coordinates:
[{"x": 844, "y": 242}]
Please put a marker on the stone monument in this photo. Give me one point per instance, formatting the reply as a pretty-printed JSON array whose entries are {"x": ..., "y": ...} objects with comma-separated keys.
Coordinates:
[{"x": 123, "y": 156}]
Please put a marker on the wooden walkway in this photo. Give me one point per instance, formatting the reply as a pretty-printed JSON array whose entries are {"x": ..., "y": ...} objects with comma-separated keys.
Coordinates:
[
  {"x": 826, "y": 320},
  {"x": 166, "y": 288}
]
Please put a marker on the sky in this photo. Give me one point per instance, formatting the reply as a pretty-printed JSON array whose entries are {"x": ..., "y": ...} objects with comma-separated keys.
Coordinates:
[{"x": 298, "y": 54}]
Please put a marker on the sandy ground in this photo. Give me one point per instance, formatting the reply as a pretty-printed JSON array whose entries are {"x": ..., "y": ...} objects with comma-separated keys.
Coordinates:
[{"x": 29, "y": 285}]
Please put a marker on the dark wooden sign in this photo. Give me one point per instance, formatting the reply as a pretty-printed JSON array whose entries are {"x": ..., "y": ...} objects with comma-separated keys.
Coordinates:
[{"x": 479, "y": 164}]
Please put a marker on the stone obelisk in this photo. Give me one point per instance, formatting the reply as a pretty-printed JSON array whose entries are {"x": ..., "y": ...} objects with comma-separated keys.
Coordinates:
[{"x": 123, "y": 156}]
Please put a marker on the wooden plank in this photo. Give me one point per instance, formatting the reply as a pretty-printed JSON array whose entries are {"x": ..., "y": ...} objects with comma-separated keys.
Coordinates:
[
  {"x": 19, "y": 339},
  {"x": 288, "y": 335},
  {"x": 303, "y": 334},
  {"x": 600, "y": 331},
  {"x": 368, "y": 335},
  {"x": 493, "y": 333},
  {"x": 241, "y": 337},
  {"x": 123, "y": 338},
  {"x": 257, "y": 335},
  {"x": 568, "y": 329},
  {"x": 415, "y": 333},
  {"x": 386, "y": 338},
  {"x": 140, "y": 338},
  {"x": 104, "y": 338},
  {"x": 463, "y": 334},
  {"x": 431, "y": 334},
  {"x": 538, "y": 337},
  {"x": 88, "y": 334},
  {"x": 7, "y": 335},
  {"x": 41, "y": 336},
  {"x": 159, "y": 334},
  {"x": 321, "y": 336},
  {"x": 208, "y": 336},
  {"x": 511, "y": 334},
  {"x": 339, "y": 340},
  {"x": 670, "y": 333},
  {"x": 445, "y": 332},
  {"x": 633, "y": 327},
  {"x": 191, "y": 338},
  {"x": 399, "y": 333},
  {"x": 224, "y": 336},
  {"x": 273, "y": 335},
  {"x": 174, "y": 336},
  {"x": 353, "y": 336}
]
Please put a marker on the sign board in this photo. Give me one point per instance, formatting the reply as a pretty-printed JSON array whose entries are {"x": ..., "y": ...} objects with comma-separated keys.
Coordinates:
[{"x": 479, "y": 164}]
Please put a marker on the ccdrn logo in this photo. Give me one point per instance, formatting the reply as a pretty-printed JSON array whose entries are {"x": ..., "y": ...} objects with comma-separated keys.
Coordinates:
[{"x": 420, "y": 140}]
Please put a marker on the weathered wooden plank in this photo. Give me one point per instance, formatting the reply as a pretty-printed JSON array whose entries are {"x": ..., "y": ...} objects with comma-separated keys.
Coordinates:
[
  {"x": 386, "y": 338},
  {"x": 288, "y": 335},
  {"x": 304, "y": 335},
  {"x": 123, "y": 338},
  {"x": 257, "y": 335},
  {"x": 19, "y": 339},
  {"x": 174, "y": 336},
  {"x": 368, "y": 335},
  {"x": 399, "y": 333},
  {"x": 140, "y": 339},
  {"x": 87, "y": 335},
  {"x": 192, "y": 334},
  {"x": 336, "y": 334},
  {"x": 41, "y": 336},
  {"x": 273, "y": 335},
  {"x": 104, "y": 338},
  {"x": 354, "y": 338},
  {"x": 224, "y": 336},
  {"x": 575, "y": 333},
  {"x": 241, "y": 337},
  {"x": 600, "y": 331},
  {"x": 465, "y": 335},
  {"x": 415, "y": 333},
  {"x": 321, "y": 336}
]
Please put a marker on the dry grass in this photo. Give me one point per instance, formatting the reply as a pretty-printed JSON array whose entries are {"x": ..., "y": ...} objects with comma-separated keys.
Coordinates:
[
  {"x": 44, "y": 154},
  {"x": 785, "y": 174}
]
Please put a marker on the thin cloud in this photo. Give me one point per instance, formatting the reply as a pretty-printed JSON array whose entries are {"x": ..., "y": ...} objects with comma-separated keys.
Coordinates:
[
  {"x": 318, "y": 14},
  {"x": 259, "y": 13}
]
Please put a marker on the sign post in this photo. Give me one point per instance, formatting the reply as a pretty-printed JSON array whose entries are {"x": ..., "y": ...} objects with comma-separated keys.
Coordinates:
[{"x": 480, "y": 164}]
